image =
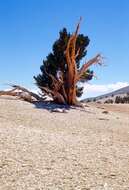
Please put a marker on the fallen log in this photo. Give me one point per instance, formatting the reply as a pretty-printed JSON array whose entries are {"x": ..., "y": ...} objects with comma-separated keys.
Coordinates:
[{"x": 23, "y": 94}]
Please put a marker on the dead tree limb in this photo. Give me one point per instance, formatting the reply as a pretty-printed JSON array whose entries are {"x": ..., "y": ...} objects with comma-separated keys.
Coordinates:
[
  {"x": 22, "y": 93},
  {"x": 96, "y": 60}
]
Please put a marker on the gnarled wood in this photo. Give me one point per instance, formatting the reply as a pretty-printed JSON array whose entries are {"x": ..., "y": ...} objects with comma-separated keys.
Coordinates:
[{"x": 96, "y": 60}]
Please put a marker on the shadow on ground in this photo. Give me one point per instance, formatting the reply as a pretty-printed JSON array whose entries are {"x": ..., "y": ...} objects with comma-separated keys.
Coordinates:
[
  {"x": 50, "y": 106},
  {"x": 53, "y": 107}
]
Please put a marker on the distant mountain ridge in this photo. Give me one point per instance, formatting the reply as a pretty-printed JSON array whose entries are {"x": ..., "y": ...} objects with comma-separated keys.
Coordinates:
[{"x": 119, "y": 92}]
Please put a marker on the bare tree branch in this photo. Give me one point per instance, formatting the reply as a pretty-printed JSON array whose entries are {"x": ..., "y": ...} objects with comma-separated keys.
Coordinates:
[
  {"x": 96, "y": 60},
  {"x": 77, "y": 54}
]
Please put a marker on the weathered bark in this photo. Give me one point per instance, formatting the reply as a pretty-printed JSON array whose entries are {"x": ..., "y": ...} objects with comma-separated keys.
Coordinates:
[
  {"x": 73, "y": 76},
  {"x": 72, "y": 68}
]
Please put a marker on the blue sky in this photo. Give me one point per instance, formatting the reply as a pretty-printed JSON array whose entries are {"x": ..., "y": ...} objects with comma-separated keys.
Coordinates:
[{"x": 28, "y": 29}]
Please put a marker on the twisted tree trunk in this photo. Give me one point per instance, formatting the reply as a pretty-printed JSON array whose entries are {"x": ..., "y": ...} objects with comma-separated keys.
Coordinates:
[{"x": 73, "y": 76}]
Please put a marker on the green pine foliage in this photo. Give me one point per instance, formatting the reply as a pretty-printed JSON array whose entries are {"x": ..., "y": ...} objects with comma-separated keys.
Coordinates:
[{"x": 122, "y": 100}]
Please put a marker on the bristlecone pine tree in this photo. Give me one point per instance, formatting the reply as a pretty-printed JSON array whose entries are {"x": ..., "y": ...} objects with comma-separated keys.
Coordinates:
[{"x": 61, "y": 70}]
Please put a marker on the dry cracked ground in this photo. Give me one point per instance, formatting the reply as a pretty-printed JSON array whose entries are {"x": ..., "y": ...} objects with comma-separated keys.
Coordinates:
[{"x": 84, "y": 149}]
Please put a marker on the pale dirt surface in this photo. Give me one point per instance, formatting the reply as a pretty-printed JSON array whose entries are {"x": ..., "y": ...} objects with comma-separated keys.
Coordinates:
[
  {"x": 78, "y": 150},
  {"x": 121, "y": 108}
]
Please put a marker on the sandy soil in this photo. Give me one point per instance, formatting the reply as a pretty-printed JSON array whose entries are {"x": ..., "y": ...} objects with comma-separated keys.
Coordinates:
[
  {"x": 121, "y": 108},
  {"x": 84, "y": 149}
]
